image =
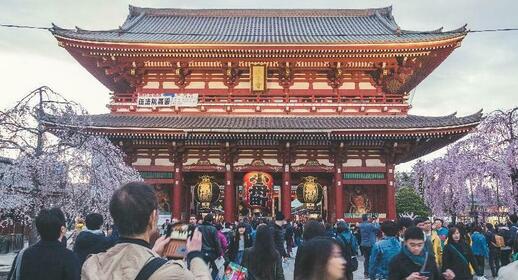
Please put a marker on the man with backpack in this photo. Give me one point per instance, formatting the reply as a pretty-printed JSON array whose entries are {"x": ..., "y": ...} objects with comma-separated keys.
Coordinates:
[
  {"x": 134, "y": 209},
  {"x": 384, "y": 250},
  {"x": 494, "y": 248},
  {"x": 349, "y": 247}
]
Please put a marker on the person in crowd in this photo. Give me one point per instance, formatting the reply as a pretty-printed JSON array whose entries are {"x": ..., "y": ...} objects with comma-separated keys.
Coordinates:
[
  {"x": 403, "y": 224},
  {"x": 320, "y": 258},
  {"x": 313, "y": 229},
  {"x": 368, "y": 231},
  {"x": 330, "y": 231},
  {"x": 297, "y": 233},
  {"x": 192, "y": 220},
  {"x": 262, "y": 260},
  {"x": 384, "y": 250},
  {"x": 133, "y": 208},
  {"x": 440, "y": 230},
  {"x": 48, "y": 258},
  {"x": 479, "y": 248},
  {"x": 222, "y": 239},
  {"x": 513, "y": 233},
  {"x": 228, "y": 231},
  {"x": 414, "y": 262},
  {"x": 457, "y": 255},
  {"x": 63, "y": 238},
  {"x": 241, "y": 241},
  {"x": 494, "y": 250},
  {"x": 92, "y": 240},
  {"x": 506, "y": 250},
  {"x": 432, "y": 241},
  {"x": 211, "y": 248},
  {"x": 464, "y": 232},
  {"x": 349, "y": 247},
  {"x": 278, "y": 234},
  {"x": 288, "y": 235}
]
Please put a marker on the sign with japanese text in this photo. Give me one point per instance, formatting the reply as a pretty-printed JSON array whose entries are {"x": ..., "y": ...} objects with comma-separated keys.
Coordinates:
[{"x": 168, "y": 100}]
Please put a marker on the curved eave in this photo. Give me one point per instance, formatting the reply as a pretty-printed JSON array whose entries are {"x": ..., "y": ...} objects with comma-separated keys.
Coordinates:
[
  {"x": 147, "y": 46},
  {"x": 334, "y": 133}
]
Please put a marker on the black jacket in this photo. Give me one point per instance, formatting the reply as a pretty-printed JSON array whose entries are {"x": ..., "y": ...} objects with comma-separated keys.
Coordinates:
[
  {"x": 90, "y": 243},
  {"x": 210, "y": 240},
  {"x": 278, "y": 239},
  {"x": 401, "y": 266},
  {"x": 48, "y": 260},
  {"x": 249, "y": 261},
  {"x": 452, "y": 260}
]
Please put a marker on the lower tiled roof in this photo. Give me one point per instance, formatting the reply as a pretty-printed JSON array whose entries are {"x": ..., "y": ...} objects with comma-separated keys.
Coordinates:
[{"x": 287, "y": 123}]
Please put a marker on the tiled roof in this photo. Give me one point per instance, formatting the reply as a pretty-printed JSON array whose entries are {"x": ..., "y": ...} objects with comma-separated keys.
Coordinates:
[
  {"x": 275, "y": 26},
  {"x": 284, "y": 123}
]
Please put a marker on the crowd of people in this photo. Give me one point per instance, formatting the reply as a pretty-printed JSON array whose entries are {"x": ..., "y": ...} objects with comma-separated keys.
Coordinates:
[{"x": 413, "y": 249}]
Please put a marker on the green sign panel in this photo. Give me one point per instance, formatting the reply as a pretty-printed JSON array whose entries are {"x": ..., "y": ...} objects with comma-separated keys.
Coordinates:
[
  {"x": 364, "y": 176},
  {"x": 156, "y": 175}
]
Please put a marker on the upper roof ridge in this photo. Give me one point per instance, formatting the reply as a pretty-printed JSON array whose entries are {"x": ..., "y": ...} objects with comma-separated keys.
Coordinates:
[{"x": 136, "y": 11}]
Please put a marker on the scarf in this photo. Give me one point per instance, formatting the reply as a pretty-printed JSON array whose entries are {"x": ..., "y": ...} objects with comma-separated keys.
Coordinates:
[{"x": 418, "y": 260}]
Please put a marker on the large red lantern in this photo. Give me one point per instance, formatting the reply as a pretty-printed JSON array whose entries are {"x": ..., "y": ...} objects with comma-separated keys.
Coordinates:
[{"x": 258, "y": 188}]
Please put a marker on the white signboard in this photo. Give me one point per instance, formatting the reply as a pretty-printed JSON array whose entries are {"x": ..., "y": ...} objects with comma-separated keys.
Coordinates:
[{"x": 168, "y": 100}]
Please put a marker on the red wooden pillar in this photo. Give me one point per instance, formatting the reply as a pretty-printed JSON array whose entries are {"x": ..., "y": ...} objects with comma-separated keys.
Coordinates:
[
  {"x": 230, "y": 195},
  {"x": 391, "y": 193},
  {"x": 286, "y": 192},
  {"x": 178, "y": 191},
  {"x": 171, "y": 198},
  {"x": 339, "y": 191},
  {"x": 339, "y": 188}
]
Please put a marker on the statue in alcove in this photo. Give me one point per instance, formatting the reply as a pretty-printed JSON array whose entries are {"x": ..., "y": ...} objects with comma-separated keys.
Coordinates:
[{"x": 360, "y": 203}]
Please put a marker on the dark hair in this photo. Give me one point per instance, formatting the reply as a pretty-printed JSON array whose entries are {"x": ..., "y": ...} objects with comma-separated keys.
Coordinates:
[
  {"x": 477, "y": 228},
  {"x": 419, "y": 220},
  {"x": 405, "y": 222},
  {"x": 219, "y": 226},
  {"x": 342, "y": 226},
  {"x": 389, "y": 228},
  {"x": 131, "y": 207},
  {"x": 440, "y": 220},
  {"x": 513, "y": 218},
  {"x": 94, "y": 221},
  {"x": 263, "y": 254},
  {"x": 313, "y": 229},
  {"x": 57, "y": 211},
  {"x": 489, "y": 226},
  {"x": 365, "y": 217},
  {"x": 414, "y": 233},
  {"x": 48, "y": 225},
  {"x": 451, "y": 231},
  {"x": 209, "y": 218},
  {"x": 312, "y": 257}
]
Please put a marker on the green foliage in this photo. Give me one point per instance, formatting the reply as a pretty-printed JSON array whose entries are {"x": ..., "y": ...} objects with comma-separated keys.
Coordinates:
[{"x": 408, "y": 201}]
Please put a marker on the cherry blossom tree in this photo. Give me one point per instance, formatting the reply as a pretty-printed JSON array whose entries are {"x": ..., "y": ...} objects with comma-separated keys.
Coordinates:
[
  {"x": 481, "y": 169},
  {"x": 57, "y": 163}
]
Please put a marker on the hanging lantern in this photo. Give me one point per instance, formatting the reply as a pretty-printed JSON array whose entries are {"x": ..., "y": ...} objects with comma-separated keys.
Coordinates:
[
  {"x": 258, "y": 188},
  {"x": 310, "y": 192},
  {"x": 206, "y": 191}
]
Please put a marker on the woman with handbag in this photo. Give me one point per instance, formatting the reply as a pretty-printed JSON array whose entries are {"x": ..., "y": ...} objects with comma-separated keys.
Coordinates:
[
  {"x": 262, "y": 260},
  {"x": 457, "y": 256}
]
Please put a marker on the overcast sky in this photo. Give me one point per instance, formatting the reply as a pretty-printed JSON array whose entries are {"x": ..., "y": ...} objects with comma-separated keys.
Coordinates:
[{"x": 481, "y": 74}]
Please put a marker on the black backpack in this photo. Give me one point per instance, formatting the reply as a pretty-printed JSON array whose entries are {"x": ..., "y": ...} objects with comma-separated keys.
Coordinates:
[{"x": 348, "y": 254}]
